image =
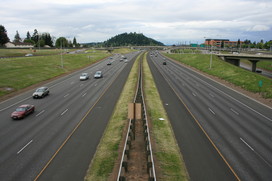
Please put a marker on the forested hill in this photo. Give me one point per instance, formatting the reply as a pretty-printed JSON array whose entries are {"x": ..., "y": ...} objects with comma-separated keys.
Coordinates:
[{"x": 131, "y": 39}]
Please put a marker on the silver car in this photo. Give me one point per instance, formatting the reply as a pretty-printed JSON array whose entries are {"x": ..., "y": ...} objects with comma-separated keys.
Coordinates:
[
  {"x": 40, "y": 92},
  {"x": 98, "y": 74},
  {"x": 84, "y": 76}
]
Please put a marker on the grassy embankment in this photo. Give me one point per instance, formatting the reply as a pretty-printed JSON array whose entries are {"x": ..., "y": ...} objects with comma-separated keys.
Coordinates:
[
  {"x": 169, "y": 160},
  {"x": 22, "y": 52},
  {"x": 266, "y": 65},
  {"x": 239, "y": 77},
  {"x": 19, "y": 73}
]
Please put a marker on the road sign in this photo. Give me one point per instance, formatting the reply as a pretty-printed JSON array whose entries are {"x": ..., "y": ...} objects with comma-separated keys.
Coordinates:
[{"x": 260, "y": 83}]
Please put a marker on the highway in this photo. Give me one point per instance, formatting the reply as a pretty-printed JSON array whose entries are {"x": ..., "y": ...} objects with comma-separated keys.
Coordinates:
[
  {"x": 28, "y": 147},
  {"x": 236, "y": 139}
]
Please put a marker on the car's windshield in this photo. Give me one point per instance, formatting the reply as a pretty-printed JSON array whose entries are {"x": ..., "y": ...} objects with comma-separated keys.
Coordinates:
[
  {"x": 39, "y": 90},
  {"x": 20, "y": 109}
]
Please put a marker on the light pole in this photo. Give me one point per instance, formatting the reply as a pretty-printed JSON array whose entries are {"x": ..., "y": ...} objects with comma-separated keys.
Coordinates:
[{"x": 61, "y": 58}]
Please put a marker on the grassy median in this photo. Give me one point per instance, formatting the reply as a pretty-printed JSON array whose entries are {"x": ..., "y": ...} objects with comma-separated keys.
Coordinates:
[
  {"x": 107, "y": 152},
  {"x": 170, "y": 163}
]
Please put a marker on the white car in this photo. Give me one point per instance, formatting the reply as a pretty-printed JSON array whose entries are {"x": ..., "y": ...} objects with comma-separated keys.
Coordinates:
[
  {"x": 41, "y": 92},
  {"x": 98, "y": 74},
  {"x": 84, "y": 76}
]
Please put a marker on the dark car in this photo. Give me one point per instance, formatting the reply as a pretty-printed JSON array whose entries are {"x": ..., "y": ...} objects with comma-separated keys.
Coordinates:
[
  {"x": 164, "y": 63},
  {"x": 109, "y": 63},
  {"x": 22, "y": 111},
  {"x": 41, "y": 92}
]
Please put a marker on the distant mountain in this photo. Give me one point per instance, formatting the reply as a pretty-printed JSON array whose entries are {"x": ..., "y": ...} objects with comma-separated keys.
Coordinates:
[{"x": 131, "y": 39}]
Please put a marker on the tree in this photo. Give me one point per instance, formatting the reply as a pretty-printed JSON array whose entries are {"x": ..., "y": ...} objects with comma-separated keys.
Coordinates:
[
  {"x": 75, "y": 42},
  {"x": 17, "y": 37},
  {"x": 62, "y": 42},
  {"x": 238, "y": 43},
  {"x": 29, "y": 41},
  {"x": 35, "y": 36},
  {"x": 28, "y": 36},
  {"x": 3, "y": 35},
  {"x": 47, "y": 39}
]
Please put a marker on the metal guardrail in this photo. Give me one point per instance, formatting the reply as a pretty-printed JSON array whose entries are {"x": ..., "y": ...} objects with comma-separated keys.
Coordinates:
[{"x": 130, "y": 136}]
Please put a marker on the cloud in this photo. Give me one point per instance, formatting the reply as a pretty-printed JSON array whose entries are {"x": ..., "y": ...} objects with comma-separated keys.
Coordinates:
[
  {"x": 166, "y": 21},
  {"x": 259, "y": 28}
]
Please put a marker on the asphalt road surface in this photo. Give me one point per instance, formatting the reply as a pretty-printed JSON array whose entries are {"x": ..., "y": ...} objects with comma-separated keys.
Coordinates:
[
  {"x": 66, "y": 127},
  {"x": 217, "y": 118}
]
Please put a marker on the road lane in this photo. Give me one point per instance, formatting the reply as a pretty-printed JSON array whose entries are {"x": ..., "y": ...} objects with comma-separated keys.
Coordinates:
[
  {"x": 55, "y": 117},
  {"x": 201, "y": 159},
  {"x": 226, "y": 116}
]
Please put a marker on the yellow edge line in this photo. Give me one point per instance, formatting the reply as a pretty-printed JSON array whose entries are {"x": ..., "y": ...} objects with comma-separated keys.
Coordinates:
[
  {"x": 69, "y": 136},
  {"x": 202, "y": 129}
]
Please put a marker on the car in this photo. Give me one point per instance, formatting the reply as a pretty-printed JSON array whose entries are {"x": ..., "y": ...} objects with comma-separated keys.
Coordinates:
[
  {"x": 41, "y": 92},
  {"x": 84, "y": 76},
  {"x": 98, "y": 74},
  {"x": 22, "y": 111},
  {"x": 126, "y": 61},
  {"x": 109, "y": 63},
  {"x": 164, "y": 63},
  {"x": 29, "y": 55}
]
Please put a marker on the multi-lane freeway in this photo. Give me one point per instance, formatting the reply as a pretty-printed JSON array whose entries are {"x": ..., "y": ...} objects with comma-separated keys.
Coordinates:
[
  {"x": 30, "y": 147},
  {"x": 222, "y": 134},
  {"x": 237, "y": 131}
]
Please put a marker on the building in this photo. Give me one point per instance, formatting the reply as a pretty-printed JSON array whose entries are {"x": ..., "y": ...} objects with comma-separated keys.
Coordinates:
[
  {"x": 222, "y": 43},
  {"x": 18, "y": 45}
]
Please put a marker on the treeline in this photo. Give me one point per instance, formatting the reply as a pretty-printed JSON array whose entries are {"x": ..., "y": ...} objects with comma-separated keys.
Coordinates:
[
  {"x": 131, "y": 39},
  {"x": 258, "y": 45},
  {"x": 37, "y": 39}
]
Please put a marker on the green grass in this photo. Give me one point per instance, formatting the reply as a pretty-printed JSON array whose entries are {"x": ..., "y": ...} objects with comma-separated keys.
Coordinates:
[
  {"x": 22, "y": 52},
  {"x": 239, "y": 77},
  {"x": 169, "y": 159},
  {"x": 266, "y": 65},
  {"x": 19, "y": 73},
  {"x": 107, "y": 151}
]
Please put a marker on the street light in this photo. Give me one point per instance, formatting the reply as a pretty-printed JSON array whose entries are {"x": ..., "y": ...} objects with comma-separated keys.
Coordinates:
[
  {"x": 61, "y": 59},
  {"x": 210, "y": 52}
]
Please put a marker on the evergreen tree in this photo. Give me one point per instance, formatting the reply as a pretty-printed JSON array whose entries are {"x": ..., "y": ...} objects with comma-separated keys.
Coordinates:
[
  {"x": 3, "y": 35},
  {"x": 46, "y": 37},
  {"x": 28, "y": 36},
  {"x": 35, "y": 36},
  {"x": 75, "y": 42},
  {"x": 17, "y": 37}
]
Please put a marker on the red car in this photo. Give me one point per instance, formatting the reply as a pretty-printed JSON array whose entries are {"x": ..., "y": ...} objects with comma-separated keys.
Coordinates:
[{"x": 22, "y": 111}]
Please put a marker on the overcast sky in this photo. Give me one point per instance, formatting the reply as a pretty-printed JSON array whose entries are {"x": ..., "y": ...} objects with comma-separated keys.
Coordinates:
[{"x": 168, "y": 21}]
